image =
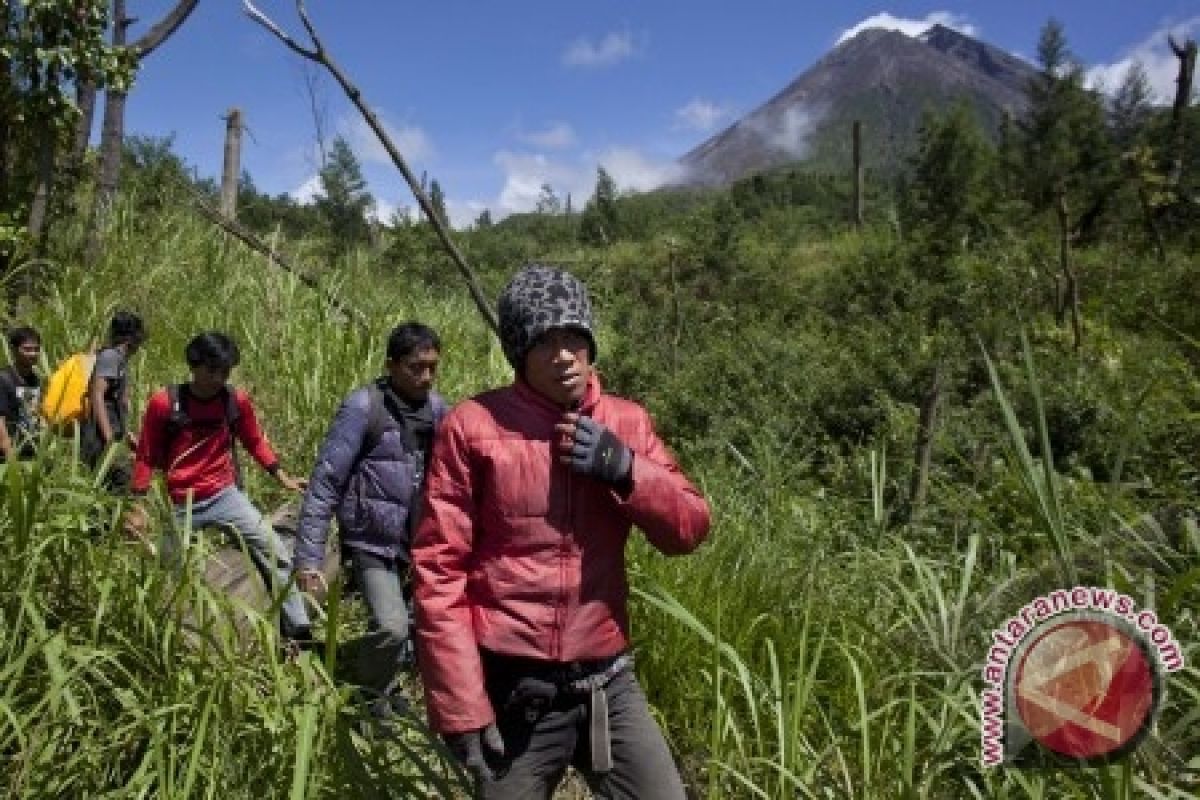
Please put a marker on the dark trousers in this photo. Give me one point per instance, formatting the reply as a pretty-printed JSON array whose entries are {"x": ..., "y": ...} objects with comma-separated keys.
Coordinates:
[
  {"x": 537, "y": 753},
  {"x": 92, "y": 449}
]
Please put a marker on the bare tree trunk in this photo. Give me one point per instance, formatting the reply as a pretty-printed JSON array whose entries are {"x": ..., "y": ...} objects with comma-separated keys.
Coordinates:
[
  {"x": 85, "y": 98},
  {"x": 6, "y": 98},
  {"x": 1183, "y": 96},
  {"x": 112, "y": 134},
  {"x": 232, "y": 168},
  {"x": 923, "y": 456},
  {"x": 112, "y": 130},
  {"x": 40, "y": 205},
  {"x": 858, "y": 175},
  {"x": 43, "y": 185},
  {"x": 1070, "y": 278}
]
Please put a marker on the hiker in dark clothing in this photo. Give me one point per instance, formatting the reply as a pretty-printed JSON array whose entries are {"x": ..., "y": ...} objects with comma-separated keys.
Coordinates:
[
  {"x": 108, "y": 397},
  {"x": 189, "y": 433},
  {"x": 368, "y": 474},
  {"x": 20, "y": 395}
]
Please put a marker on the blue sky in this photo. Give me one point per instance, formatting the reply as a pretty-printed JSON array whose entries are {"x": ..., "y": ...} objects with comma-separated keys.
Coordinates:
[{"x": 494, "y": 99}]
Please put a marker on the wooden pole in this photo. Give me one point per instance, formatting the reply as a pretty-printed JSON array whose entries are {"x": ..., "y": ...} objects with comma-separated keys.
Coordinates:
[
  {"x": 233, "y": 161},
  {"x": 858, "y": 175}
]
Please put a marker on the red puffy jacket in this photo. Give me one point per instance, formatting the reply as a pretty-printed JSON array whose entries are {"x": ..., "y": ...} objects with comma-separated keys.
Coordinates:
[{"x": 518, "y": 554}]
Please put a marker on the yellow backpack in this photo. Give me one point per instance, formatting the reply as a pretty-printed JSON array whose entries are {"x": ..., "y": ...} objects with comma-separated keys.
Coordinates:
[{"x": 65, "y": 400}]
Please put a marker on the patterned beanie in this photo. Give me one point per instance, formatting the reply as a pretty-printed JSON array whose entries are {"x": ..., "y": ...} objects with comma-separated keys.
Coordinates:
[{"x": 539, "y": 298}]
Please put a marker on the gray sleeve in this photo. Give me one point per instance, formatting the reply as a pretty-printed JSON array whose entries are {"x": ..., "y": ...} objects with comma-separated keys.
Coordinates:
[{"x": 110, "y": 364}]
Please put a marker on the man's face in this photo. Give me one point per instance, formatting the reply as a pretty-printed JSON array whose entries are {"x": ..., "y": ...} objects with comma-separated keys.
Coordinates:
[
  {"x": 412, "y": 375},
  {"x": 558, "y": 366},
  {"x": 208, "y": 380},
  {"x": 26, "y": 355}
]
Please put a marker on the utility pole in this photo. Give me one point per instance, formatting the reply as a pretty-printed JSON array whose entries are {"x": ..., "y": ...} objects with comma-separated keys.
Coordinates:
[
  {"x": 858, "y": 175},
  {"x": 233, "y": 161}
]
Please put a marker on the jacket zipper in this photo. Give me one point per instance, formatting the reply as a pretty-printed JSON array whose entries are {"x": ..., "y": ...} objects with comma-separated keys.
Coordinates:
[{"x": 560, "y": 612}]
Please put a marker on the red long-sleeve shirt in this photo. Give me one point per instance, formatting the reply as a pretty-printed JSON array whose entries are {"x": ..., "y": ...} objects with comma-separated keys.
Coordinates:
[{"x": 198, "y": 459}]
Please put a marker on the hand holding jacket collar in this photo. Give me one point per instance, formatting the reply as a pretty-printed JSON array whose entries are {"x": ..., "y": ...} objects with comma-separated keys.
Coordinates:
[{"x": 589, "y": 448}]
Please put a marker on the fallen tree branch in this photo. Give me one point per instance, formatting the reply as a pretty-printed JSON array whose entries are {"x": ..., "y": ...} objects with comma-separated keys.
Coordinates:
[
  {"x": 258, "y": 245},
  {"x": 318, "y": 54}
]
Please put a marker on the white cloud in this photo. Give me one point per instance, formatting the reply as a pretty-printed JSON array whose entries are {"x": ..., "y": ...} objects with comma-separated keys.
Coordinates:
[
  {"x": 307, "y": 191},
  {"x": 790, "y": 132},
  {"x": 631, "y": 169},
  {"x": 526, "y": 173},
  {"x": 613, "y": 48},
  {"x": 700, "y": 115},
  {"x": 911, "y": 27},
  {"x": 1161, "y": 65},
  {"x": 383, "y": 211},
  {"x": 557, "y": 136},
  {"x": 464, "y": 214}
]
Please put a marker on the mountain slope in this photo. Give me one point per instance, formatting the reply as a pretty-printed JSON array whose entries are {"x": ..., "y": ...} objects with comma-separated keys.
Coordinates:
[{"x": 884, "y": 78}]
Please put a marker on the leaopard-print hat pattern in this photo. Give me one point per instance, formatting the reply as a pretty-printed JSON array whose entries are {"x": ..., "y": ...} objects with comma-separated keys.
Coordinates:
[{"x": 538, "y": 298}]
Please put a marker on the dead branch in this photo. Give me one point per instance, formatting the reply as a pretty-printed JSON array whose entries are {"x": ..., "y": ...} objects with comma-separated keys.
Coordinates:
[
  {"x": 1175, "y": 46},
  {"x": 164, "y": 28},
  {"x": 258, "y": 245},
  {"x": 318, "y": 54}
]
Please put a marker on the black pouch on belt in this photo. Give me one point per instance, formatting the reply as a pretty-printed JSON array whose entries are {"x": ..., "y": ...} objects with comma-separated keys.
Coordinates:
[{"x": 530, "y": 698}]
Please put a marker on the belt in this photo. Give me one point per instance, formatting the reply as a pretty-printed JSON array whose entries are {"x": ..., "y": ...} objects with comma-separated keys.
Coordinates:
[
  {"x": 540, "y": 681},
  {"x": 599, "y": 735}
]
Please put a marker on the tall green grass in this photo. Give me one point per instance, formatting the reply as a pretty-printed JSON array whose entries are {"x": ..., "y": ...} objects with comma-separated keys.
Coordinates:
[
  {"x": 809, "y": 650},
  {"x": 824, "y": 659},
  {"x": 121, "y": 678}
]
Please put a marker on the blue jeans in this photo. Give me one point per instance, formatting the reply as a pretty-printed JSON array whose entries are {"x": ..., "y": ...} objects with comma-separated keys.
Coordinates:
[
  {"x": 232, "y": 510},
  {"x": 379, "y": 654}
]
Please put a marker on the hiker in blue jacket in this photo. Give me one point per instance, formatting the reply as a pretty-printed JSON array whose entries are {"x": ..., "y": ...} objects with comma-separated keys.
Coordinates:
[{"x": 368, "y": 473}]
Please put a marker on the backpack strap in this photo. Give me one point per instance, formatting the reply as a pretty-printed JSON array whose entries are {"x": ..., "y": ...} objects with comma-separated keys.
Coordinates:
[
  {"x": 178, "y": 418},
  {"x": 378, "y": 418}
]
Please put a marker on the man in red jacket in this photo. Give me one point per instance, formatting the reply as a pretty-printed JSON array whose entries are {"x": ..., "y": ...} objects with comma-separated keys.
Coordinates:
[
  {"x": 519, "y": 562},
  {"x": 188, "y": 432}
]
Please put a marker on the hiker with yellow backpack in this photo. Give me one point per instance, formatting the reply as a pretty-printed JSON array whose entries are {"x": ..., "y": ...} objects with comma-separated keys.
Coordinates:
[
  {"x": 107, "y": 419},
  {"x": 88, "y": 394}
]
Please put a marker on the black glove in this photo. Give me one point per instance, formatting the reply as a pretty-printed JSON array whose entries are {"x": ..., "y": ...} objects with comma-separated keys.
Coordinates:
[
  {"x": 597, "y": 451},
  {"x": 471, "y": 749}
]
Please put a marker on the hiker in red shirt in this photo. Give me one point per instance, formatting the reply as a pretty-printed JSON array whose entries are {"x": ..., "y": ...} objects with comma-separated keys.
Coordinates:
[{"x": 188, "y": 432}]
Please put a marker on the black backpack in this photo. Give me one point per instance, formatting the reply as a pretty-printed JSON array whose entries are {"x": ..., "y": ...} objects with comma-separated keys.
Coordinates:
[
  {"x": 177, "y": 395},
  {"x": 380, "y": 420}
]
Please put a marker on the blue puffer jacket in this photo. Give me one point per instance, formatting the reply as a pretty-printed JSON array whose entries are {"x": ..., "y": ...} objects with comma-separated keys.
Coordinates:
[{"x": 371, "y": 495}]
